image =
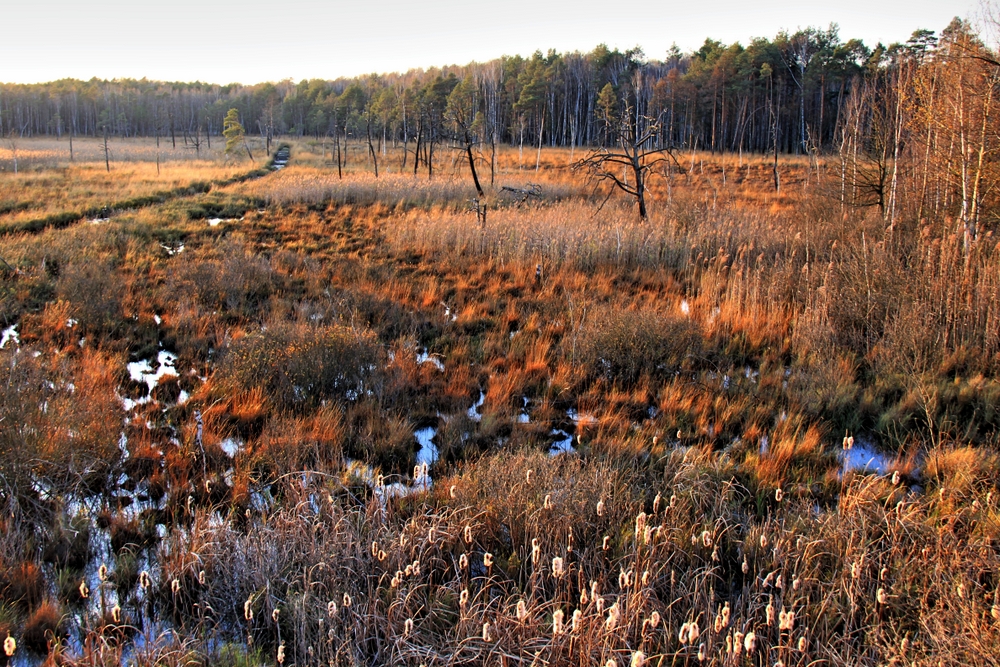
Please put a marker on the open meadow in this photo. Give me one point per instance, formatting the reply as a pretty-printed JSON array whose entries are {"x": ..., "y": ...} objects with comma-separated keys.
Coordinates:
[{"x": 293, "y": 412}]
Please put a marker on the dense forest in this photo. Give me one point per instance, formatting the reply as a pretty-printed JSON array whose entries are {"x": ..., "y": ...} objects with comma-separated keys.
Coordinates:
[
  {"x": 792, "y": 91},
  {"x": 913, "y": 124}
]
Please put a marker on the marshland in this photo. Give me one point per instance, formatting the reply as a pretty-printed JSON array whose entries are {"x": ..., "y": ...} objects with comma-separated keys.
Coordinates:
[{"x": 306, "y": 396}]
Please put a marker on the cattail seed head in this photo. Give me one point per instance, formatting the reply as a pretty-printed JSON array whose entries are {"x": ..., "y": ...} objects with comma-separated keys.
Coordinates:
[
  {"x": 175, "y": 586},
  {"x": 451, "y": 491},
  {"x": 527, "y": 476},
  {"x": 725, "y": 614},
  {"x": 701, "y": 652},
  {"x": 779, "y": 583},
  {"x": 281, "y": 653},
  {"x": 557, "y": 622},
  {"x": 144, "y": 579},
  {"x": 487, "y": 637},
  {"x": 880, "y": 596},
  {"x": 746, "y": 566},
  {"x": 682, "y": 635},
  {"x": 995, "y": 612},
  {"x": 347, "y": 600},
  {"x": 577, "y": 618},
  {"x": 102, "y": 572},
  {"x": 600, "y": 508},
  {"x": 248, "y": 609},
  {"x": 638, "y": 659},
  {"x": 407, "y": 627},
  {"x": 606, "y": 542},
  {"x": 640, "y": 524},
  {"x": 488, "y": 559},
  {"x": 656, "y": 503},
  {"x": 738, "y": 641},
  {"x": 463, "y": 598},
  {"x": 802, "y": 644},
  {"x": 614, "y": 615},
  {"x": 796, "y": 584},
  {"x": 9, "y": 646},
  {"x": 673, "y": 499},
  {"x": 706, "y": 538},
  {"x": 558, "y": 568},
  {"x": 769, "y": 612},
  {"x": 274, "y": 614},
  {"x": 116, "y": 614},
  {"x": 536, "y": 551},
  {"x": 763, "y": 541},
  {"x": 84, "y": 591},
  {"x": 583, "y": 598},
  {"x": 750, "y": 642},
  {"x": 547, "y": 502},
  {"x": 904, "y": 646},
  {"x": 201, "y": 577},
  {"x": 779, "y": 495},
  {"x": 895, "y": 477},
  {"x": 468, "y": 534},
  {"x": 654, "y": 619},
  {"x": 521, "y": 611}
]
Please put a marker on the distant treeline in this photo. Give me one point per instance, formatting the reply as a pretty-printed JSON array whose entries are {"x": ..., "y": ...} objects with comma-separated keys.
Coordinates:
[{"x": 788, "y": 93}]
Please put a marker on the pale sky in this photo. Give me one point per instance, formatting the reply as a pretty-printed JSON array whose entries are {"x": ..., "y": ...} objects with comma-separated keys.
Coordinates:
[{"x": 249, "y": 42}]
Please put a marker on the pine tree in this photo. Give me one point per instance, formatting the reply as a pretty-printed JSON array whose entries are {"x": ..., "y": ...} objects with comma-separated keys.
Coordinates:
[{"x": 233, "y": 131}]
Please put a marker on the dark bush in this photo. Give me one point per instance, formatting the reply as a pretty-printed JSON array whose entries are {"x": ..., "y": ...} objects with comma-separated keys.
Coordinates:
[
  {"x": 300, "y": 366},
  {"x": 622, "y": 347}
]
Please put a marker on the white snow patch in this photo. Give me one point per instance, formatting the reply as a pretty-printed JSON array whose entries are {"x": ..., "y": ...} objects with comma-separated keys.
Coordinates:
[
  {"x": 231, "y": 446},
  {"x": 473, "y": 412},
  {"x": 426, "y": 357},
  {"x": 9, "y": 334},
  {"x": 142, "y": 371}
]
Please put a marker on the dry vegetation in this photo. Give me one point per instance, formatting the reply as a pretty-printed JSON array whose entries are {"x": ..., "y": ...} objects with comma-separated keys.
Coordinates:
[{"x": 259, "y": 501}]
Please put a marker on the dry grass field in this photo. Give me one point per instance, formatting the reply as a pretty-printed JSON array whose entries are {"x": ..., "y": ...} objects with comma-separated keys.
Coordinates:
[{"x": 311, "y": 418}]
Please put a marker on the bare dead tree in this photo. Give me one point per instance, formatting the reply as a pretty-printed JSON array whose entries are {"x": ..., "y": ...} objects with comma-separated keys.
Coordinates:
[
  {"x": 637, "y": 151},
  {"x": 522, "y": 195}
]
